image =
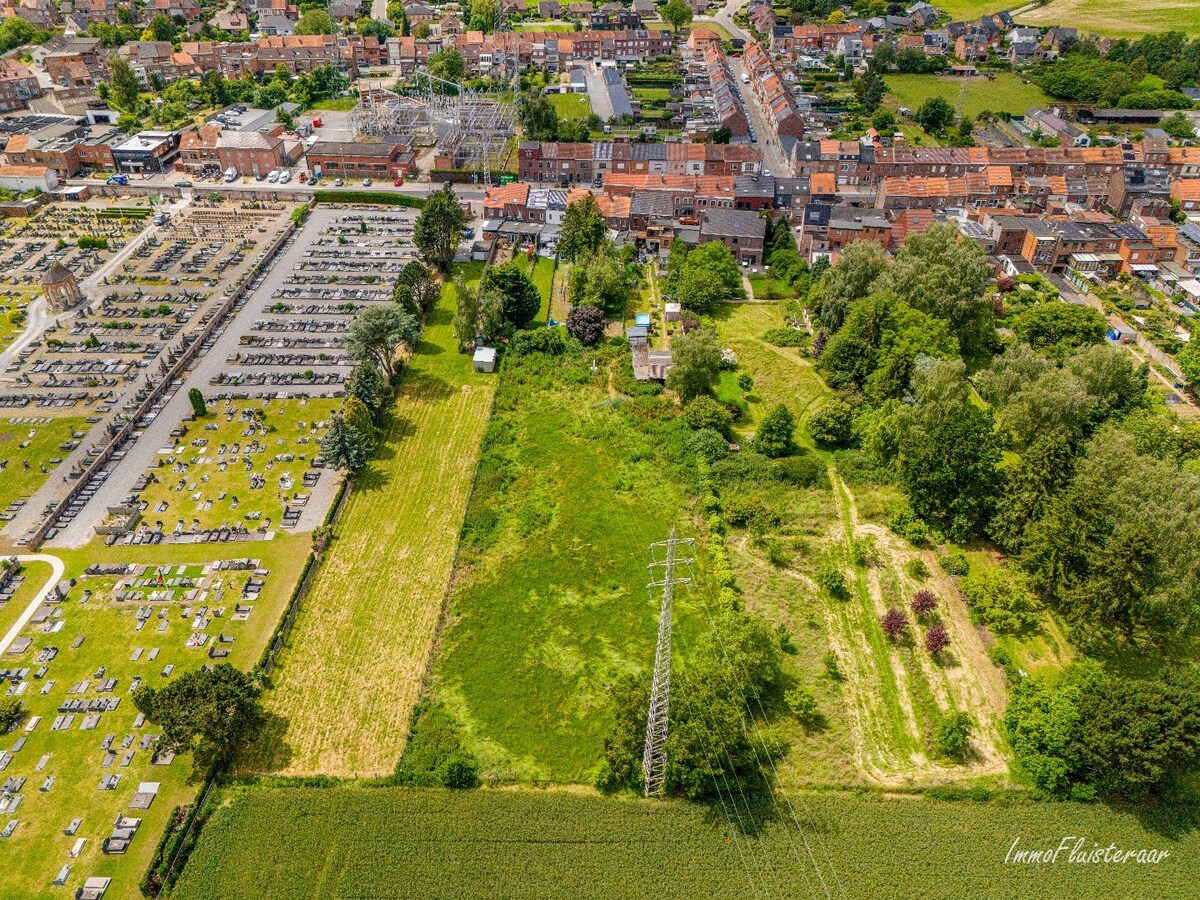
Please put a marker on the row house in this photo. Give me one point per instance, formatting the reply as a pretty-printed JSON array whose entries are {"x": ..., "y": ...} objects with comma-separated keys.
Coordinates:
[
  {"x": 188, "y": 10},
  {"x": 728, "y": 109},
  {"x": 741, "y": 231},
  {"x": 1186, "y": 192},
  {"x": 159, "y": 59},
  {"x": 79, "y": 62},
  {"x": 583, "y": 163},
  {"x": 407, "y": 53},
  {"x": 349, "y": 159},
  {"x": 90, "y": 11},
  {"x": 252, "y": 152},
  {"x": 301, "y": 54},
  {"x": 938, "y": 193},
  {"x": 360, "y": 52},
  {"x": 18, "y": 85},
  {"x": 810, "y": 39},
  {"x": 772, "y": 92},
  {"x": 43, "y": 14},
  {"x": 1187, "y": 239}
]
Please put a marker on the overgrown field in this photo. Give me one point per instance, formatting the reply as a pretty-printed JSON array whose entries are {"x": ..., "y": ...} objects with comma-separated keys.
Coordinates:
[
  {"x": 1117, "y": 18},
  {"x": 390, "y": 842},
  {"x": 550, "y": 601},
  {"x": 343, "y": 691},
  {"x": 1006, "y": 93}
]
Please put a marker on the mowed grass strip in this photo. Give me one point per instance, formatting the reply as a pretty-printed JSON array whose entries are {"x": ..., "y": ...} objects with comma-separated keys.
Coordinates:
[
  {"x": 35, "y": 445},
  {"x": 344, "y": 688},
  {"x": 392, "y": 842}
]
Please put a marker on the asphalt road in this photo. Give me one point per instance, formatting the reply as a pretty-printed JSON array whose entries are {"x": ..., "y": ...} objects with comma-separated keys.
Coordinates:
[{"x": 768, "y": 145}]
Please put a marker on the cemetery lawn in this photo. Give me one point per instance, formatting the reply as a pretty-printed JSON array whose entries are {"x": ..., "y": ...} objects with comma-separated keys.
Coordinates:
[
  {"x": 190, "y": 490},
  {"x": 1006, "y": 93},
  {"x": 343, "y": 689},
  {"x": 32, "y": 857},
  {"x": 549, "y": 603},
  {"x": 36, "y": 575},
  {"x": 17, "y": 446},
  {"x": 1117, "y": 18},
  {"x": 388, "y": 842}
]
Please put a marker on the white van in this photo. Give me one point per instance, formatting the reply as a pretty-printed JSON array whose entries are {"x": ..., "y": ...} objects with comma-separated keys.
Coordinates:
[
  {"x": 230, "y": 174},
  {"x": 745, "y": 78}
]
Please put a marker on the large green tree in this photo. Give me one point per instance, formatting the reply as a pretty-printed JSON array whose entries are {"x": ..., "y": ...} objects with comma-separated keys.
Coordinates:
[
  {"x": 601, "y": 280},
  {"x": 416, "y": 289},
  {"x": 677, "y": 14},
  {"x": 696, "y": 362},
  {"x": 377, "y": 333},
  {"x": 944, "y": 275},
  {"x": 446, "y": 64},
  {"x": 709, "y": 275},
  {"x": 521, "y": 297},
  {"x": 213, "y": 710},
  {"x": 347, "y": 445},
  {"x": 1058, "y": 327},
  {"x": 582, "y": 232},
  {"x": 438, "y": 230},
  {"x": 856, "y": 275},
  {"x": 539, "y": 118},
  {"x": 124, "y": 84},
  {"x": 314, "y": 21}
]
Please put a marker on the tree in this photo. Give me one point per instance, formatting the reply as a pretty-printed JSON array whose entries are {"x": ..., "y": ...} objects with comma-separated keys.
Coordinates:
[
  {"x": 894, "y": 623},
  {"x": 939, "y": 273},
  {"x": 952, "y": 738},
  {"x": 438, "y": 229},
  {"x": 601, "y": 280},
  {"x": 314, "y": 21},
  {"x": 708, "y": 275},
  {"x": 466, "y": 316},
  {"x": 162, "y": 28},
  {"x": 1058, "y": 327},
  {"x": 999, "y": 598},
  {"x": 884, "y": 121},
  {"x": 377, "y": 332},
  {"x": 1046, "y": 467},
  {"x": 124, "y": 84},
  {"x": 1177, "y": 125},
  {"x": 923, "y": 603},
  {"x": 358, "y": 416},
  {"x": 936, "y": 639},
  {"x": 422, "y": 30},
  {"x": 945, "y": 449},
  {"x": 522, "y": 300},
  {"x": 1040, "y": 723},
  {"x": 346, "y": 446},
  {"x": 368, "y": 384},
  {"x": 803, "y": 704},
  {"x": 858, "y": 269},
  {"x": 539, "y": 118},
  {"x": 775, "y": 435},
  {"x": 935, "y": 114},
  {"x": 446, "y": 64},
  {"x": 285, "y": 118},
  {"x": 214, "y": 710},
  {"x": 196, "y": 398},
  {"x": 586, "y": 324},
  {"x": 677, "y": 13},
  {"x": 416, "y": 289},
  {"x": 583, "y": 229},
  {"x": 832, "y": 425},
  {"x": 11, "y": 712},
  {"x": 374, "y": 28},
  {"x": 696, "y": 362},
  {"x": 722, "y": 135}
]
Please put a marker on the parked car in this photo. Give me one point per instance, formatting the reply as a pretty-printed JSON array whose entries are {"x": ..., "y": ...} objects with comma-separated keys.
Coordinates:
[
  {"x": 399, "y": 182},
  {"x": 366, "y": 182},
  {"x": 285, "y": 176},
  {"x": 337, "y": 183},
  {"x": 117, "y": 179},
  {"x": 230, "y": 175}
]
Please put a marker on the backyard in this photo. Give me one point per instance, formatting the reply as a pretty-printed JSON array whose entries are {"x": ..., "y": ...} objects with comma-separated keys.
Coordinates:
[
  {"x": 343, "y": 689},
  {"x": 969, "y": 96},
  {"x": 571, "y": 106}
]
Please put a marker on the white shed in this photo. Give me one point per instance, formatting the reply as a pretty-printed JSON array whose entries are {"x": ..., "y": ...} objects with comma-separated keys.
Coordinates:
[{"x": 485, "y": 359}]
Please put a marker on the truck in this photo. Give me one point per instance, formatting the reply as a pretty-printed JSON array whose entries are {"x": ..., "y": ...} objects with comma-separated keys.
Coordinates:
[{"x": 117, "y": 179}]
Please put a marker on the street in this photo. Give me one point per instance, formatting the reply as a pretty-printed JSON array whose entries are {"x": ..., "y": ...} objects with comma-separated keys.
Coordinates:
[{"x": 768, "y": 145}]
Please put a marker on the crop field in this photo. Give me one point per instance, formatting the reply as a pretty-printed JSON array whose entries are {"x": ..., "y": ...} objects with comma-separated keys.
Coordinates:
[
  {"x": 390, "y": 842},
  {"x": 72, "y": 756},
  {"x": 343, "y": 690},
  {"x": 1006, "y": 93},
  {"x": 242, "y": 464},
  {"x": 887, "y": 698},
  {"x": 571, "y": 106},
  {"x": 549, "y": 601},
  {"x": 31, "y": 446},
  {"x": 1117, "y": 18}
]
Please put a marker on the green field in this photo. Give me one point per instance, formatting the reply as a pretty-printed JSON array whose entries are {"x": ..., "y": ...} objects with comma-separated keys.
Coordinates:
[
  {"x": 1117, "y": 18},
  {"x": 204, "y": 482},
  {"x": 545, "y": 26},
  {"x": 37, "y": 850},
  {"x": 1006, "y": 93},
  {"x": 571, "y": 106},
  {"x": 389, "y": 842},
  {"x": 343, "y": 690},
  {"x": 338, "y": 104},
  {"x": 542, "y": 274},
  {"x": 38, "y": 445},
  {"x": 966, "y": 10},
  {"x": 550, "y": 603}
]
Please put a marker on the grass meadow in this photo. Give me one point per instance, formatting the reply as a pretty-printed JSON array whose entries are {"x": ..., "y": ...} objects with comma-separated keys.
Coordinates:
[
  {"x": 343, "y": 689},
  {"x": 1117, "y": 18},
  {"x": 393, "y": 842},
  {"x": 1006, "y": 93},
  {"x": 571, "y": 106}
]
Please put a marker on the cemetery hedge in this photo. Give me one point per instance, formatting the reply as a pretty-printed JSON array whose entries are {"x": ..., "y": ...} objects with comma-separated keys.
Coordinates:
[
  {"x": 383, "y": 198},
  {"x": 391, "y": 842}
]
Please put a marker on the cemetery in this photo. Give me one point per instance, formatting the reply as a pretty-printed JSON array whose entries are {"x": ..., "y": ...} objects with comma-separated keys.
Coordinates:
[
  {"x": 244, "y": 470},
  {"x": 32, "y": 447},
  {"x": 86, "y": 790}
]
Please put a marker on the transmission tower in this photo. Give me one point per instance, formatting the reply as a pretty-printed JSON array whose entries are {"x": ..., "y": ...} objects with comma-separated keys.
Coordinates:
[{"x": 654, "y": 758}]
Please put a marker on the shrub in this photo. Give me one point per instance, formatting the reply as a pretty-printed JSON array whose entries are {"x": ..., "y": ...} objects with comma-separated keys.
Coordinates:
[
  {"x": 936, "y": 639},
  {"x": 745, "y": 383},
  {"x": 923, "y": 602},
  {"x": 955, "y": 564},
  {"x": 832, "y": 669},
  {"x": 908, "y": 525},
  {"x": 749, "y": 512},
  {"x": 894, "y": 623},
  {"x": 803, "y": 470},
  {"x": 952, "y": 737},
  {"x": 832, "y": 425},
  {"x": 916, "y": 569},
  {"x": 586, "y": 324},
  {"x": 1001, "y": 599},
  {"x": 705, "y": 412},
  {"x": 864, "y": 550},
  {"x": 708, "y": 444},
  {"x": 833, "y": 582},
  {"x": 803, "y": 705},
  {"x": 785, "y": 337},
  {"x": 553, "y": 341},
  {"x": 1002, "y": 659}
]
